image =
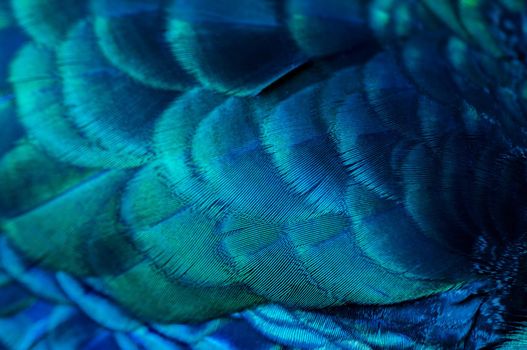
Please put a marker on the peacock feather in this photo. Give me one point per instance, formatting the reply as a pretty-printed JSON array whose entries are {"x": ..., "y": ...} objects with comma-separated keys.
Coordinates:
[{"x": 263, "y": 174}]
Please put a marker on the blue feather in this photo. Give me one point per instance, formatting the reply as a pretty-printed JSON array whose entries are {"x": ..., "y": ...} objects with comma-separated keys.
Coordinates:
[{"x": 220, "y": 174}]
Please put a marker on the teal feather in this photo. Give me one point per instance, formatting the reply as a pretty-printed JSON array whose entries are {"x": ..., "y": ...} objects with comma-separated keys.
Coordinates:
[
  {"x": 147, "y": 56},
  {"x": 41, "y": 20},
  {"x": 266, "y": 175},
  {"x": 296, "y": 136},
  {"x": 87, "y": 77},
  {"x": 207, "y": 41},
  {"x": 322, "y": 28}
]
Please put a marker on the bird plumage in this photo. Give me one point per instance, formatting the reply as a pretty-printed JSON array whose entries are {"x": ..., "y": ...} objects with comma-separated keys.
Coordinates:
[{"x": 262, "y": 174}]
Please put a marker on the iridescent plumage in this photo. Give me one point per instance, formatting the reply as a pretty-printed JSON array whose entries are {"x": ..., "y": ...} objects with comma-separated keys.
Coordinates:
[{"x": 265, "y": 174}]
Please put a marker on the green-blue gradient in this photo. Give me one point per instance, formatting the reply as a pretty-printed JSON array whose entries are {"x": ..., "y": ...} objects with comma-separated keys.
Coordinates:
[{"x": 264, "y": 174}]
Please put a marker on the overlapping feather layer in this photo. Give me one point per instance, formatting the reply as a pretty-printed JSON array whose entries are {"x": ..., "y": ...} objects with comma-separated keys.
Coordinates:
[{"x": 176, "y": 173}]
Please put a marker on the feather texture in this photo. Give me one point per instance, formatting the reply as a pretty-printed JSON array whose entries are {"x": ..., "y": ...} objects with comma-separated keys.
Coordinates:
[{"x": 266, "y": 174}]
